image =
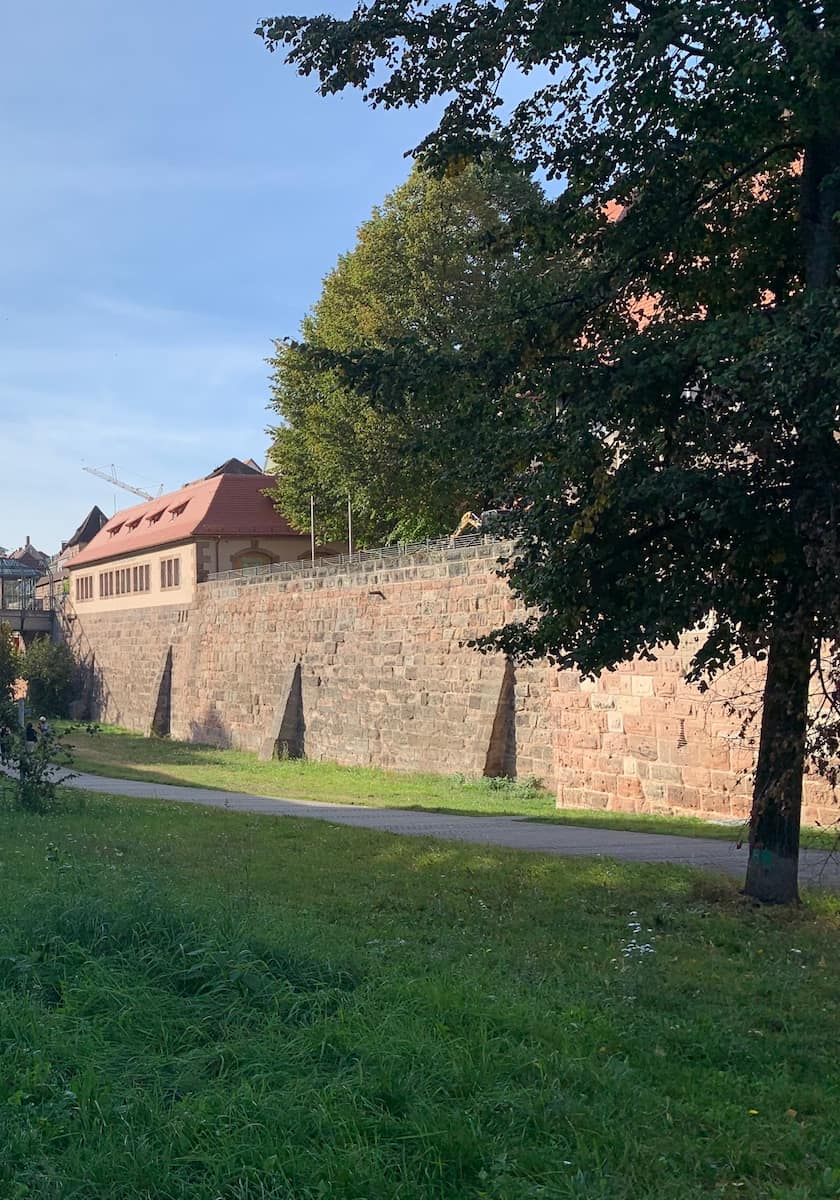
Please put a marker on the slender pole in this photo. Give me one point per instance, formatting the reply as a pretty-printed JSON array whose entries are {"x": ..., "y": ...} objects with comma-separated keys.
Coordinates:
[
  {"x": 312, "y": 527},
  {"x": 349, "y": 526}
]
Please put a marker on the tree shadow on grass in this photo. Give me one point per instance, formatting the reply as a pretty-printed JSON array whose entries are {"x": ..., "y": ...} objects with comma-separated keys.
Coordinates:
[{"x": 390, "y": 984}]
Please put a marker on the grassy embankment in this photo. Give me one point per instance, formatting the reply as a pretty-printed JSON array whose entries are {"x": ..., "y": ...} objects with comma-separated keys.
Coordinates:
[
  {"x": 198, "y": 1004},
  {"x": 123, "y": 755}
]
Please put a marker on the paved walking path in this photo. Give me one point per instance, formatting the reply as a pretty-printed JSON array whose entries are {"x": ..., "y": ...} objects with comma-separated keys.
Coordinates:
[{"x": 816, "y": 867}]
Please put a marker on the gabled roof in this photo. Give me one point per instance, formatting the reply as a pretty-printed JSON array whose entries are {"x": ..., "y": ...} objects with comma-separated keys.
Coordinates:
[
  {"x": 88, "y": 529},
  {"x": 31, "y": 556},
  {"x": 219, "y": 506},
  {"x": 236, "y": 466}
]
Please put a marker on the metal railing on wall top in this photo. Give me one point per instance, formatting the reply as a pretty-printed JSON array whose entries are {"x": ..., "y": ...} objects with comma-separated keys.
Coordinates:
[{"x": 385, "y": 554}]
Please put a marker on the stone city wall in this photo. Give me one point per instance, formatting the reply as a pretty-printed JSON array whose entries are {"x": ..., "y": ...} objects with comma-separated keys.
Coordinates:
[{"x": 370, "y": 665}]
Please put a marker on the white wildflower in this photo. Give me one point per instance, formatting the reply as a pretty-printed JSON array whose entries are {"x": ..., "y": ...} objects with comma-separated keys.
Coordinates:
[{"x": 636, "y": 947}]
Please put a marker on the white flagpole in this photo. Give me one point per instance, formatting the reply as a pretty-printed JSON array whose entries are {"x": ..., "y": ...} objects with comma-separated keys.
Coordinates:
[
  {"x": 349, "y": 526},
  {"x": 312, "y": 527}
]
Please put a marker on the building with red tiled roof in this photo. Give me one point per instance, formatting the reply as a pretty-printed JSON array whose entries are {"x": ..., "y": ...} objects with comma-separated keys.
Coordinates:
[
  {"x": 30, "y": 557},
  {"x": 155, "y": 553}
]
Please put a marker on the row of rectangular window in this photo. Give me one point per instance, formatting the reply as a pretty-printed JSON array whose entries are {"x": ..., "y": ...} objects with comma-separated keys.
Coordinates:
[
  {"x": 126, "y": 580},
  {"x": 170, "y": 573}
]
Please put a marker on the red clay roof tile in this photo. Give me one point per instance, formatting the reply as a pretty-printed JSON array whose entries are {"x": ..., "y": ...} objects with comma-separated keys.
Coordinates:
[{"x": 222, "y": 506}]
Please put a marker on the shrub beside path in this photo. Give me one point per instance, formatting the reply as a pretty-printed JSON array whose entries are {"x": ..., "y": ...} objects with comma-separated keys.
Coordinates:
[{"x": 819, "y": 868}]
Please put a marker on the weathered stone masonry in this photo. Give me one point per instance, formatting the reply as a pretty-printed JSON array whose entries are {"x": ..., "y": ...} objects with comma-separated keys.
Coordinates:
[
  {"x": 377, "y": 657},
  {"x": 370, "y": 665}
]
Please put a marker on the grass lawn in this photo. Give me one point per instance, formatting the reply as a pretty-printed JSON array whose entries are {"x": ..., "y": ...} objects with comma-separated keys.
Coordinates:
[
  {"x": 198, "y": 1004},
  {"x": 123, "y": 755}
]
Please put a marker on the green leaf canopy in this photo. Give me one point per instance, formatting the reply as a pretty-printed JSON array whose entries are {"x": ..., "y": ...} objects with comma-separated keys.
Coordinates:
[
  {"x": 379, "y": 398},
  {"x": 688, "y": 471}
]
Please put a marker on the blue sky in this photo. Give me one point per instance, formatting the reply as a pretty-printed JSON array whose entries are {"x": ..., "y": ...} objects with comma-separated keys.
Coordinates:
[{"x": 172, "y": 196}]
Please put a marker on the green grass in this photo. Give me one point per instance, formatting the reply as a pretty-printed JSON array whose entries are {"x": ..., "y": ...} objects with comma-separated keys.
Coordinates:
[
  {"x": 198, "y": 1004},
  {"x": 123, "y": 755}
]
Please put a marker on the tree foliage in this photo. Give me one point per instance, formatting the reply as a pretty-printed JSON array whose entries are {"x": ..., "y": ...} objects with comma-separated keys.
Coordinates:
[
  {"x": 50, "y": 670},
  {"x": 688, "y": 474},
  {"x": 427, "y": 278},
  {"x": 9, "y": 671}
]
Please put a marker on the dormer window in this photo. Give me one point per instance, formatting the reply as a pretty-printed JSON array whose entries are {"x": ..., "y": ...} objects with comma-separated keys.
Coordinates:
[
  {"x": 154, "y": 517},
  {"x": 178, "y": 509},
  {"x": 132, "y": 525},
  {"x": 115, "y": 528}
]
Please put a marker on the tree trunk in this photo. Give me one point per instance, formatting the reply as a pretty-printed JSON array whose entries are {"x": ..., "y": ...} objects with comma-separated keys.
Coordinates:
[
  {"x": 819, "y": 201},
  {"x": 772, "y": 871},
  {"x": 773, "y": 868}
]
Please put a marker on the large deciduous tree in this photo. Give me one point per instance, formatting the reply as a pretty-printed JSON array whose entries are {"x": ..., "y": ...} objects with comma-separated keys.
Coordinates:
[
  {"x": 426, "y": 275},
  {"x": 688, "y": 475}
]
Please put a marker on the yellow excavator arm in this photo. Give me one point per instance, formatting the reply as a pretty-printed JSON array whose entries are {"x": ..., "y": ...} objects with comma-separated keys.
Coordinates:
[{"x": 468, "y": 521}]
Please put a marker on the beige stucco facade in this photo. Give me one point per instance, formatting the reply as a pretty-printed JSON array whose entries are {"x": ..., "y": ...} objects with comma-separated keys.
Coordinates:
[
  {"x": 96, "y": 588},
  {"x": 230, "y": 554},
  {"x": 145, "y": 580}
]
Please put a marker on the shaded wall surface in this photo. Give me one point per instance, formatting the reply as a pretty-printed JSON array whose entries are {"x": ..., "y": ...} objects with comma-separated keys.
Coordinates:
[
  {"x": 370, "y": 665},
  {"x": 366, "y": 666}
]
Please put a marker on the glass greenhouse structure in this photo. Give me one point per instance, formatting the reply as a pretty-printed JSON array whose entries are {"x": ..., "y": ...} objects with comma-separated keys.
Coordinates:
[{"x": 17, "y": 584}]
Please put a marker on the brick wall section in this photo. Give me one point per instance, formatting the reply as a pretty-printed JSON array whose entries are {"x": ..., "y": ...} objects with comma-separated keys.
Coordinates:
[
  {"x": 123, "y": 655},
  {"x": 640, "y": 739},
  {"x": 386, "y": 675},
  {"x": 376, "y": 658}
]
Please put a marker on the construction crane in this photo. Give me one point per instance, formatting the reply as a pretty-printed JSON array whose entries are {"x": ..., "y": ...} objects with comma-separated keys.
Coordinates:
[{"x": 112, "y": 478}]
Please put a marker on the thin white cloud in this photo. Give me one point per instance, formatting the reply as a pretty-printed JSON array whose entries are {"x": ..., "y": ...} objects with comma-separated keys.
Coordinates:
[
  {"x": 123, "y": 308},
  {"x": 162, "y": 394},
  {"x": 45, "y": 493}
]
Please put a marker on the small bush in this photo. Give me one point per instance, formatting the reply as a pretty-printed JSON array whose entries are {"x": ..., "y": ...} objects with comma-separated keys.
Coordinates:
[
  {"x": 514, "y": 789},
  {"x": 50, "y": 671},
  {"x": 38, "y": 769},
  {"x": 9, "y": 671}
]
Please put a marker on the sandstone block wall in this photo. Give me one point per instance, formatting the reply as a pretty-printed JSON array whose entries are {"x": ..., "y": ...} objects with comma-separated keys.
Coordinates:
[
  {"x": 385, "y": 673},
  {"x": 123, "y": 656},
  {"x": 370, "y": 665},
  {"x": 640, "y": 739},
  {"x": 375, "y": 658}
]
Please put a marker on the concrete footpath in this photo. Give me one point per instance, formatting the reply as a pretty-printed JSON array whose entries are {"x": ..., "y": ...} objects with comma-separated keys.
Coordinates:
[{"x": 817, "y": 867}]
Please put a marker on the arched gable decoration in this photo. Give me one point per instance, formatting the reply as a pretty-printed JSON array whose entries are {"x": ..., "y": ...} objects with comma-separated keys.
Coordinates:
[{"x": 251, "y": 558}]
